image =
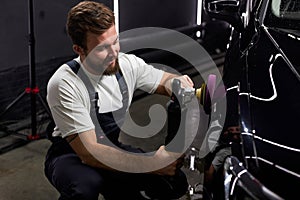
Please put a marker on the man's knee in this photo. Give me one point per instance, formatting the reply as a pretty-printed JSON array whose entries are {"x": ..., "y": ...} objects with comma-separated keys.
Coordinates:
[
  {"x": 172, "y": 187},
  {"x": 180, "y": 185},
  {"x": 81, "y": 190}
]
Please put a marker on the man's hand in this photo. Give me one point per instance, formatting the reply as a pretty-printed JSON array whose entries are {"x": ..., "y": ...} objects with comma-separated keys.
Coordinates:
[
  {"x": 166, "y": 157},
  {"x": 186, "y": 81},
  {"x": 165, "y": 86}
]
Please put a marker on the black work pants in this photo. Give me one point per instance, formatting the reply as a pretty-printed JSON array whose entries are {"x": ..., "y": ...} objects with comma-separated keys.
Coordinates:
[{"x": 75, "y": 180}]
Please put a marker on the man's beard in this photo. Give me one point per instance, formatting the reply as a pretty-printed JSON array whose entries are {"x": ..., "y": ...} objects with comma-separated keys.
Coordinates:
[
  {"x": 111, "y": 70},
  {"x": 98, "y": 69}
]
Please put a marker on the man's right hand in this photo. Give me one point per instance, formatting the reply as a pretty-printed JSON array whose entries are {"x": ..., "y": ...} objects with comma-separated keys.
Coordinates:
[{"x": 175, "y": 160}]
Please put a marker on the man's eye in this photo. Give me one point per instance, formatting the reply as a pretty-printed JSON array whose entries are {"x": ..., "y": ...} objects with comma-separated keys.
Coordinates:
[
  {"x": 116, "y": 41},
  {"x": 100, "y": 48}
]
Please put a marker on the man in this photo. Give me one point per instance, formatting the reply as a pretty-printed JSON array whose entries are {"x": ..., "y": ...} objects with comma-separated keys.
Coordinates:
[{"x": 88, "y": 98}]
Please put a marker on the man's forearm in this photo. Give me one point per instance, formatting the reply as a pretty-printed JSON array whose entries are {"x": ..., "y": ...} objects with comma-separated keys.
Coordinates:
[{"x": 111, "y": 158}]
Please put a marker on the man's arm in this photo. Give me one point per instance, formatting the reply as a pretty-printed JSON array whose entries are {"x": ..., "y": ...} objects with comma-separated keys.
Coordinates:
[
  {"x": 102, "y": 156},
  {"x": 165, "y": 85}
]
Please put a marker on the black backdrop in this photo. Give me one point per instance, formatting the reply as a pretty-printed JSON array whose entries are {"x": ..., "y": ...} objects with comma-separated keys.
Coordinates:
[
  {"x": 53, "y": 47},
  {"x": 159, "y": 13}
]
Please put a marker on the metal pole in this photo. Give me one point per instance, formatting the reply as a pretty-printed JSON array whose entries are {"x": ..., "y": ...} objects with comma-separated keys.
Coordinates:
[{"x": 32, "y": 79}]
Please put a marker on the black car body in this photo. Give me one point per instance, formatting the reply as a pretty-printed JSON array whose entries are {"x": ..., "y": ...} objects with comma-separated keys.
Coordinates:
[{"x": 262, "y": 68}]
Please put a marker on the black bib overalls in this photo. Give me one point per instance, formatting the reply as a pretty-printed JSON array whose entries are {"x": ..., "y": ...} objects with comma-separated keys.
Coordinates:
[{"x": 75, "y": 180}]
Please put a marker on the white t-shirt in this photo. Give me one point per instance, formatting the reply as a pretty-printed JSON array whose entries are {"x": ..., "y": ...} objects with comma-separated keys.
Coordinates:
[{"x": 69, "y": 100}]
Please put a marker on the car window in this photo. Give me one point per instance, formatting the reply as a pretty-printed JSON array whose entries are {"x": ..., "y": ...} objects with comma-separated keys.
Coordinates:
[
  {"x": 286, "y": 9},
  {"x": 283, "y": 14}
]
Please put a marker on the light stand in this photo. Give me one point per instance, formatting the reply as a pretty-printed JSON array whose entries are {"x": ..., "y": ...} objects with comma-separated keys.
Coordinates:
[{"x": 33, "y": 90}]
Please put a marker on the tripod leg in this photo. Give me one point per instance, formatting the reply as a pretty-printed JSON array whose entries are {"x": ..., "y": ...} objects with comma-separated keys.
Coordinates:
[
  {"x": 44, "y": 105},
  {"x": 12, "y": 103}
]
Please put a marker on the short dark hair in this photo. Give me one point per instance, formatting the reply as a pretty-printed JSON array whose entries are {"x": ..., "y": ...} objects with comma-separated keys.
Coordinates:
[{"x": 88, "y": 16}]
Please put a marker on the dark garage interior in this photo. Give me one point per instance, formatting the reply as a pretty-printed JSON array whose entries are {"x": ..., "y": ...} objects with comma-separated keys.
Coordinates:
[{"x": 227, "y": 48}]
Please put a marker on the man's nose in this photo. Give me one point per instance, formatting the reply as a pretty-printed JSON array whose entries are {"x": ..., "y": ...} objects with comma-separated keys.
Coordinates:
[{"x": 112, "y": 50}]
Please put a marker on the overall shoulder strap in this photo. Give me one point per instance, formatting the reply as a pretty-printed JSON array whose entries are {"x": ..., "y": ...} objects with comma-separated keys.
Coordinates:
[
  {"x": 74, "y": 65},
  {"x": 93, "y": 95},
  {"x": 123, "y": 88}
]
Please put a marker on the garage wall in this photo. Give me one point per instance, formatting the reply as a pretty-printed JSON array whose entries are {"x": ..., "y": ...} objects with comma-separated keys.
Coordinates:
[
  {"x": 53, "y": 46},
  {"x": 159, "y": 13},
  {"x": 49, "y": 28}
]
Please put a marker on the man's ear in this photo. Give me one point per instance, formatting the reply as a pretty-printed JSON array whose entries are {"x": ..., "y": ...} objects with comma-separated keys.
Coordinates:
[{"x": 77, "y": 49}]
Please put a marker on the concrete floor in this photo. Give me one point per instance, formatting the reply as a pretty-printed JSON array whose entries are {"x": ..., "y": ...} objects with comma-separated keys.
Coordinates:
[
  {"x": 21, "y": 169},
  {"x": 22, "y": 176},
  {"x": 21, "y": 173}
]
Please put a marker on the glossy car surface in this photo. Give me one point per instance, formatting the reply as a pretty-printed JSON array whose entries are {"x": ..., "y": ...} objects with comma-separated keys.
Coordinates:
[{"x": 263, "y": 68}]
